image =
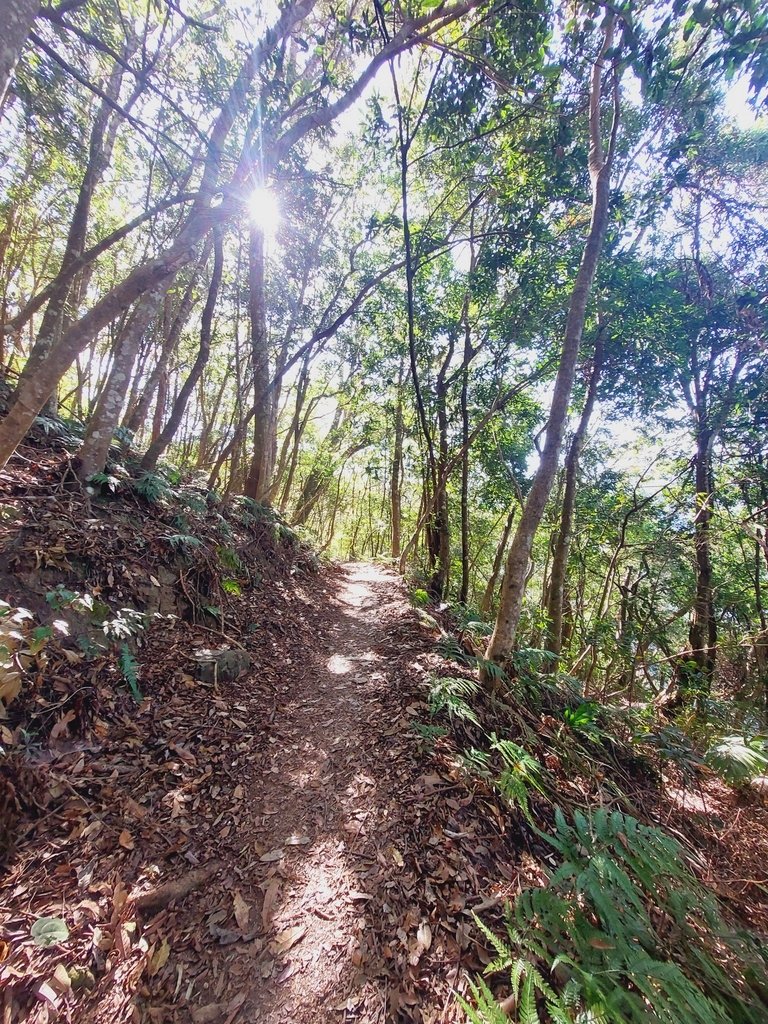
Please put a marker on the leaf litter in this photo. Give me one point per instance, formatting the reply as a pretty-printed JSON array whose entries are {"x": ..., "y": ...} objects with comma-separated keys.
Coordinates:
[{"x": 279, "y": 846}]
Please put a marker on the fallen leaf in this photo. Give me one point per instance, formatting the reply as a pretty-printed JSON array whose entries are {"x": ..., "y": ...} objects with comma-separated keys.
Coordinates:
[
  {"x": 288, "y": 938},
  {"x": 126, "y": 840},
  {"x": 159, "y": 958},
  {"x": 285, "y": 974},
  {"x": 270, "y": 898},
  {"x": 48, "y": 931},
  {"x": 135, "y": 809},
  {"x": 61, "y": 979},
  {"x": 424, "y": 935},
  {"x": 273, "y": 855},
  {"x": 62, "y": 726},
  {"x": 242, "y": 911},
  {"x": 208, "y": 1014}
]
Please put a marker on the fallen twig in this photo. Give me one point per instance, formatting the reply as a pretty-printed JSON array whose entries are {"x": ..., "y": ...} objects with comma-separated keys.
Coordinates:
[{"x": 177, "y": 888}]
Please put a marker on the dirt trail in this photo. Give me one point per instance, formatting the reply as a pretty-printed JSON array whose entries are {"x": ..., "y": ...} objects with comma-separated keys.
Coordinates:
[{"x": 322, "y": 817}]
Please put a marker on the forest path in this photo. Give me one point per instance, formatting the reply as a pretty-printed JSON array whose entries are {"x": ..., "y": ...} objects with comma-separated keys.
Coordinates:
[{"x": 321, "y": 815}]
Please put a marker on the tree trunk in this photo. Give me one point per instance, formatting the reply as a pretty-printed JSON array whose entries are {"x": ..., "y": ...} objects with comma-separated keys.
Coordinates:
[
  {"x": 170, "y": 341},
  {"x": 395, "y": 494},
  {"x": 490, "y": 589},
  {"x": 565, "y": 531},
  {"x": 260, "y": 474},
  {"x": 439, "y": 527},
  {"x": 16, "y": 20},
  {"x": 703, "y": 629},
  {"x": 166, "y": 435},
  {"x": 55, "y": 319},
  {"x": 36, "y": 385},
  {"x": 292, "y": 445},
  {"x": 502, "y": 640},
  {"x": 106, "y": 415},
  {"x": 468, "y": 354}
]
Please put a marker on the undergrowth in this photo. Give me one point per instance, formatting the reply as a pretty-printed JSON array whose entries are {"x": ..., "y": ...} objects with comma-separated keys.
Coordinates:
[{"x": 621, "y": 931}]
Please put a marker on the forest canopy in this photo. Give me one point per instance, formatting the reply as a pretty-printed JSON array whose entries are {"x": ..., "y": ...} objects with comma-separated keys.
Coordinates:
[{"x": 475, "y": 287}]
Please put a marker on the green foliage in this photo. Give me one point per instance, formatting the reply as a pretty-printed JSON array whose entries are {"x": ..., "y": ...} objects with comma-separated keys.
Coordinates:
[
  {"x": 622, "y": 932},
  {"x": 486, "y": 1009},
  {"x": 183, "y": 542},
  {"x": 670, "y": 743},
  {"x": 738, "y": 759},
  {"x": 419, "y": 598},
  {"x": 229, "y": 558},
  {"x": 61, "y": 597},
  {"x": 194, "y": 502},
  {"x": 453, "y": 695},
  {"x": 230, "y": 586},
  {"x": 490, "y": 669},
  {"x": 153, "y": 487},
  {"x": 126, "y": 623},
  {"x": 428, "y": 731},
  {"x": 129, "y": 667},
  {"x": 448, "y": 647},
  {"x": 521, "y": 773},
  {"x": 108, "y": 480},
  {"x": 583, "y": 720}
]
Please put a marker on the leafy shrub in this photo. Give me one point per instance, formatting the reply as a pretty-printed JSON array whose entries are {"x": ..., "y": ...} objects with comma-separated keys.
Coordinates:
[
  {"x": 419, "y": 598},
  {"x": 152, "y": 487},
  {"x": 671, "y": 744},
  {"x": 622, "y": 933},
  {"x": 453, "y": 695},
  {"x": 738, "y": 759}
]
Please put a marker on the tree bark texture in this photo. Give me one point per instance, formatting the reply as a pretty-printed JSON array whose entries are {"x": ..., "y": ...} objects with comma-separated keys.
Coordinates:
[
  {"x": 259, "y": 478},
  {"x": 16, "y": 20},
  {"x": 703, "y": 628},
  {"x": 106, "y": 415}
]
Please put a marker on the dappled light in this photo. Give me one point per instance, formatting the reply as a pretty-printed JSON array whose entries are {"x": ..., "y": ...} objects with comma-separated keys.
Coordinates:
[{"x": 383, "y": 512}]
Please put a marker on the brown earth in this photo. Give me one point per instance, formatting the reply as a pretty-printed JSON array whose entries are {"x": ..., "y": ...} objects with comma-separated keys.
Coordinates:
[
  {"x": 287, "y": 846},
  {"x": 342, "y": 867}
]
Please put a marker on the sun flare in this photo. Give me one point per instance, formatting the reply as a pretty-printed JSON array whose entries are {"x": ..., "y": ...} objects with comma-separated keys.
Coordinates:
[{"x": 264, "y": 210}]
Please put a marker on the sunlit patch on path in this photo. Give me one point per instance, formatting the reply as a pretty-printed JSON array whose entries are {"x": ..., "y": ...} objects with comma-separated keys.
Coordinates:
[{"x": 313, "y": 814}]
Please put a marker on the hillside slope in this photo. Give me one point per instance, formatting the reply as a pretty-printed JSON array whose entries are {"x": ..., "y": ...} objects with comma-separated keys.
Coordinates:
[{"x": 317, "y": 819}]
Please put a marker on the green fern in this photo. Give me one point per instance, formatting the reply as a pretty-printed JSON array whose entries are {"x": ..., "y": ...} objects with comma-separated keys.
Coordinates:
[
  {"x": 152, "y": 487},
  {"x": 448, "y": 647},
  {"x": 521, "y": 773},
  {"x": 486, "y": 1009},
  {"x": 622, "y": 933},
  {"x": 453, "y": 695},
  {"x": 129, "y": 667},
  {"x": 182, "y": 541},
  {"x": 491, "y": 670},
  {"x": 108, "y": 480}
]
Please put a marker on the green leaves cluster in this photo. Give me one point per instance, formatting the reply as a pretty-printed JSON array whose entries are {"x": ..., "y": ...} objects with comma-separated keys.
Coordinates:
[{"x": 622, "y": 933}]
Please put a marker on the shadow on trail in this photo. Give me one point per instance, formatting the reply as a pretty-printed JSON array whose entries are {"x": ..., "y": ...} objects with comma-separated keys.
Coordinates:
[{"x": 345, "y": 863}]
